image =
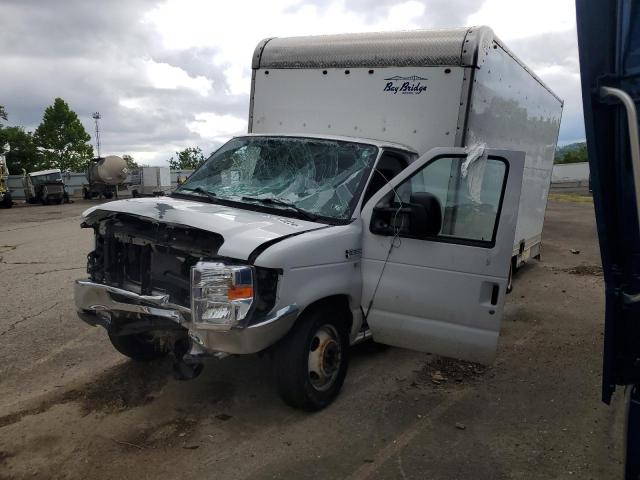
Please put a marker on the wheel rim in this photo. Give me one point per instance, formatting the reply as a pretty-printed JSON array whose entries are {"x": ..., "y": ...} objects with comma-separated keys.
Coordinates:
[{"x": 325, "y": 357}]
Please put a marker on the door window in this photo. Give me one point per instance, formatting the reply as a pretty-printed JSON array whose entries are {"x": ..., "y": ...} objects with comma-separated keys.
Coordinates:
[{"x": 450, "y": 199}]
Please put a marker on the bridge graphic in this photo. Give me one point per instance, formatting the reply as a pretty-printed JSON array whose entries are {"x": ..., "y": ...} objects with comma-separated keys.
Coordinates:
[{"x": 413, "y": 77}]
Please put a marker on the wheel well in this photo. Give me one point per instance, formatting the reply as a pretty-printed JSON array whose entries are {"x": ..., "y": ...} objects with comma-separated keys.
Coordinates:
[{"x": 340, "y": 302}]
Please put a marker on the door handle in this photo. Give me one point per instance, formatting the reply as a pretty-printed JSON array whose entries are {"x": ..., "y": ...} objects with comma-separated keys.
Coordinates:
[{"x": 495, "y": 292}]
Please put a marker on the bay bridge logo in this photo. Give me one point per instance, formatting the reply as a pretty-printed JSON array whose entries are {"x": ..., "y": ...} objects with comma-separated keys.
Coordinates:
[{"x": 412, "y": 85}]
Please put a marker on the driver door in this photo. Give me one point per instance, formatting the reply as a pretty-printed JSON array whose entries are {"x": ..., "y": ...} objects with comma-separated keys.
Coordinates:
[{"x": 437, "y": 246}]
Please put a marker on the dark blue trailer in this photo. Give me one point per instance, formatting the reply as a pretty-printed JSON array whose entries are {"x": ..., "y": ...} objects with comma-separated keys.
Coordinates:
[{"x": 609, "y": 45}]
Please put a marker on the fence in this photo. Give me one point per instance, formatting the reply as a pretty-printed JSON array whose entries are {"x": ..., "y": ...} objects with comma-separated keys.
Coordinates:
[{"x": 570, "y": 173}]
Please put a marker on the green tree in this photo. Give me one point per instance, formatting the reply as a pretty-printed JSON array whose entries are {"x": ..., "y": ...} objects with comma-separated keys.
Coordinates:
[
  {"x": 131, "y": 163},
  {"x": 18, "y": 146},
  {"x": 572, "y": 153},
  {"x": 62, "y": 138},
  {"x": 23, "y": 152},
  {"x": 187, "y": 159}
]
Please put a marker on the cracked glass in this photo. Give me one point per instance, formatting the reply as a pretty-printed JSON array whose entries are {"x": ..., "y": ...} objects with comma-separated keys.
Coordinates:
[{"x": 319, "y": 177}]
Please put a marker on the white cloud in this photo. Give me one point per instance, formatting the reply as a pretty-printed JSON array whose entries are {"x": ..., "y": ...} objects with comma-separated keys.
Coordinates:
[
  {"x": 236, "y": 30},
  {"x": 132, "y": 103},
  {"x": 217, "y": 127},
  {"x": 513, "y": 19},
  {"x": 403, "y": 14},
  {"x": 238, "y": 80},
  {"x": 163, "y": 75}
]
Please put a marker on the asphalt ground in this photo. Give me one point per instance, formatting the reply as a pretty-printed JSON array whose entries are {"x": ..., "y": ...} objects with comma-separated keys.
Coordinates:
[{"x": 71, "y": 407}]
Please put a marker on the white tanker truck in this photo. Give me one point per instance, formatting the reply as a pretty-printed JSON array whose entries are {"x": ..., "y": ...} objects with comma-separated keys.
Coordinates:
[{"x": 104, "y": 174}]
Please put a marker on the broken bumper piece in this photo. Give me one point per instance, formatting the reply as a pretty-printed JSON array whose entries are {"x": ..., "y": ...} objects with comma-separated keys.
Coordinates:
[{"x": 98, "y": 304}]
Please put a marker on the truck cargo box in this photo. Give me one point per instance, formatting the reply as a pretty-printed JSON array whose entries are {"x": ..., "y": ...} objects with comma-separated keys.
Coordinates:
[
  {"x": 150, "y": 181},
  {"x": 422, "y": 89}
]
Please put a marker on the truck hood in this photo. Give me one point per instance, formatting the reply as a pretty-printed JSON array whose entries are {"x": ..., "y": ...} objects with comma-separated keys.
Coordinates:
[{"x": 243, "y": 230}]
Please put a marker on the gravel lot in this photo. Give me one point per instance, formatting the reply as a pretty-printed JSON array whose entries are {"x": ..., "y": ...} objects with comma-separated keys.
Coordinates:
[{"x": 71, "y": 407}]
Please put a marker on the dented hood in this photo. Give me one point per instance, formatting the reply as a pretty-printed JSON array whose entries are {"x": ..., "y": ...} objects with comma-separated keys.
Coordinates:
[{"x": 243, "y": 230}]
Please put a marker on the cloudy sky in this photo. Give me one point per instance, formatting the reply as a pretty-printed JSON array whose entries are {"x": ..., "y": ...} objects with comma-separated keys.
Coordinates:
[{"x": 170, "y": 74}]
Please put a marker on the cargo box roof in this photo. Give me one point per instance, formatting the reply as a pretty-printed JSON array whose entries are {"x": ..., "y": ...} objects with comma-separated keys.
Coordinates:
[
  {"x": 406, "y": 48},
  {"x": 454, "y": 47}
]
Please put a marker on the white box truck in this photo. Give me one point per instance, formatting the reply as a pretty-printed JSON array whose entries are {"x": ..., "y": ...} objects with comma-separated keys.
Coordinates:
[
  {"x": 377, "y": 194},
  {"x": 150, "y": 181}
]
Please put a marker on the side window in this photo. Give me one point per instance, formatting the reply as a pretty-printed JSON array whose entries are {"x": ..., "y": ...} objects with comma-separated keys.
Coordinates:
[
  {"x": 389, "y": 165},
  {"x": 449, "y": 199}
]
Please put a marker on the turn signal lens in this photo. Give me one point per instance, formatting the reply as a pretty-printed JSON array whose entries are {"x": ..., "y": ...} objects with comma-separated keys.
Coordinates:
[{"x": 238, "y": 292}]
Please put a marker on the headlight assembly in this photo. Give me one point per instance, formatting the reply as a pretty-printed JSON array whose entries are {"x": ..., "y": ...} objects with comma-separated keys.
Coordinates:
[{"x": 221, "y": 295}]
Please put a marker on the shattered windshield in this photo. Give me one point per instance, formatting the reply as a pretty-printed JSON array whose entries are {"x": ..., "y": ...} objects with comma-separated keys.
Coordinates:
[{"x": 296, "y": 175}]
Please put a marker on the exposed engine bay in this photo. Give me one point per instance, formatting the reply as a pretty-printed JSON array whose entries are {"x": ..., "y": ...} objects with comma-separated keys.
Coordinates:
[{"x": 150, "y": 258}]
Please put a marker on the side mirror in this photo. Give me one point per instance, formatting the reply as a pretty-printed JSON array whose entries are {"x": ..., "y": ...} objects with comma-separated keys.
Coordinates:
[
  {"x": 421, "y": 218},
  {"x": 426, "y": 215}
]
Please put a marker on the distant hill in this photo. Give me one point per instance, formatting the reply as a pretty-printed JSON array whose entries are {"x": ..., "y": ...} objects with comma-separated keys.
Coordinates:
[{"x": 572, "y": 153}]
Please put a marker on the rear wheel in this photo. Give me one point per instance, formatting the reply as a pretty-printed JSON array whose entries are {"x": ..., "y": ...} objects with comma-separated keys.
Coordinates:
[
  {"x": 140, "y": 347},
  {"x": 7, "y": 201},
  {"x": 312, "y": 360},
  {"x": 108, "y": 195}
]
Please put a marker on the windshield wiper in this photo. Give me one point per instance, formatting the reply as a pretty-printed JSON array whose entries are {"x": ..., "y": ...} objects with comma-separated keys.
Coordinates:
[
  {"x": 276, "y": 201},
  {"x": 210, "y": 195}
]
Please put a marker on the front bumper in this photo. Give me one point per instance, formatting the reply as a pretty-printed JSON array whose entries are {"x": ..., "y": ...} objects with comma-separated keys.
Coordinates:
[{"x": 97, "y": 303}]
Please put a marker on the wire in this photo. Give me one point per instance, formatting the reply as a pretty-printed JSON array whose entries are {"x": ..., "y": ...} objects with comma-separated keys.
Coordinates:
[{"x": 396, "y": 241}]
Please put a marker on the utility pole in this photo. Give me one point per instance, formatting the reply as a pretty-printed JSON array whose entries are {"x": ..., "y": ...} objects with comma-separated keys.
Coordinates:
[{"x": 96, "y": 117}]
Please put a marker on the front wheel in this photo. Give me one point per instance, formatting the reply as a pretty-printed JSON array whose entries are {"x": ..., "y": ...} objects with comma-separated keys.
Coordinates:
[
  {"x": 311, "y": 361},
  {"x": 140, "y": 347}
]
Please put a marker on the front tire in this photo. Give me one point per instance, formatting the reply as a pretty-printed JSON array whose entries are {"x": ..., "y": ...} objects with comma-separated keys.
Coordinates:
[
  {"x": 139, "y": 347},
  {"x": 311, "y": 361}
]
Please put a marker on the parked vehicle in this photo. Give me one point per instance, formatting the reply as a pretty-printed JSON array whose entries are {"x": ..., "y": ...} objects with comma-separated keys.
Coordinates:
[
  {"x": 5, "y": 193},
  {"x": 150, "y": 181},
  {"x": 44, "y": 186},
  {"x": 376, "y": 195},
  {"x": 104, "y": 174}
]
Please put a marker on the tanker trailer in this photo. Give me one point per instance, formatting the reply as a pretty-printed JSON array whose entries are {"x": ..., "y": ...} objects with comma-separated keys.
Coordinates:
[{"x": 104, "y": 174}]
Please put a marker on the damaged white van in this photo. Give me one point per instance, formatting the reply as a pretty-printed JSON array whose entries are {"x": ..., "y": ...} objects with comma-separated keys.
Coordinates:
[{"x": 377, "y": 195}]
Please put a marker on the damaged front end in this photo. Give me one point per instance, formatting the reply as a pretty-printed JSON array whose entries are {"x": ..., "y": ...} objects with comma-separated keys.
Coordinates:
[{"x": 168, "y": 283}]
